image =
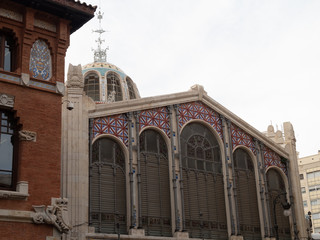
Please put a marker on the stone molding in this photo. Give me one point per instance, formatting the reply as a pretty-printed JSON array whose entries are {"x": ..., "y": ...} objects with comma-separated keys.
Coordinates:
[
  {"x": 6, "y": 100},
  {"x": 25, "y": 135},
  {"x": 56, "y": 214},
  {"x": 8, "y": 215},
  {"x": 20, "y": 194}
]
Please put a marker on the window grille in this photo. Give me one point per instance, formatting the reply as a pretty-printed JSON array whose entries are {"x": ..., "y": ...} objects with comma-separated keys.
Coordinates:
[
  {"x": 92, "y": 86},
  {"x": 114, "y": 91},
  {"x": 246, "y": 186},
  {"x": 132, "y": 94},
  {"x": 107, "y": 187},
  {"x": 155, "y": 185},
  {"x": 204, "y": 202}
]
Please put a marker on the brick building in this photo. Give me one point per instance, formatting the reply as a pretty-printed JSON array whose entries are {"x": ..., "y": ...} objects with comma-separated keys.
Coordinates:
[{"x": 34, "y": 37}]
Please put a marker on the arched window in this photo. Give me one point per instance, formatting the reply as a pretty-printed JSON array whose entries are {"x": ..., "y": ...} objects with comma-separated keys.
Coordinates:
[
  {"x": 8, "y": 51},
  {"x": 247, "y": 195},
  {"x": 92, "y": 86},
  {"x": 8, "y": 150},
  {"x": 107, "y": 187},
  {"x": 277, "y": 197},
  {"x": 132, "y": 94},
  {"x": 40, "y": 61},
  {"x": 114, "y": 91},
  {"x": 204, "y": 201},
  {"x": 155, "y": 185}
]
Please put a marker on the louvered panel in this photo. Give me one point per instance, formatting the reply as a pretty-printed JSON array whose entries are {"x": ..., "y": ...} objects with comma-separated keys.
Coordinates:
[
  {"x": 186, "y": 194},
  {"x": 108, "y": 197},
  {"x": 94, "y": 190},
  {"x": 220, "y": 199},
  {"x": 120, "y": 207}
]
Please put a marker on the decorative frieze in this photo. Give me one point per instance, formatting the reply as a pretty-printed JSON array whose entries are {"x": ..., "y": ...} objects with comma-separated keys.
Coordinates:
[
  {"x": 6, "y": 100},
  {"x": 25, "y": 135},
  {"x": 11, "y": 14},
  {"x": 56, "y": 214},
  {"x": 45, "y": 25}
]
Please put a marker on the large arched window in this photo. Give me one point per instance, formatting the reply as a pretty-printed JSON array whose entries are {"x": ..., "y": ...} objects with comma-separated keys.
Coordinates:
[
  {"x": 107, "y": 187},
  {"x": 8, "y": 51},
  {"x": 155, "y": 185},
  {"x": 114, "y": 91},
  {"x": 92, "y": 86},
  {"x": 204, "y": 201},
  {"x": 132, "y": 94},
  {"x": 277, "y": 198},
  {"x": 247, "y": 195},
  {"x": 8, "y": 150}
]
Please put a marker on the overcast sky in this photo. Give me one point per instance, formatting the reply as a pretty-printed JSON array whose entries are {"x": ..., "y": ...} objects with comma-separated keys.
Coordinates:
[{"x": 260, "y": 59}]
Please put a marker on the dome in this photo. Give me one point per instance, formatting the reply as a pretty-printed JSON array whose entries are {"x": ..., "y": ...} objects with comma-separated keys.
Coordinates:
[{"x": 105, "y": 82}]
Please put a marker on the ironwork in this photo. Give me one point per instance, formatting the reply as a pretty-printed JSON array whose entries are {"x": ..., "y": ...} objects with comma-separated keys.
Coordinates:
[
  {"x": 92, "y": 86},
  {"x": 107, "y": 187},
  {"x": 203, "y": 183},
  {"x": 155, "y": 185},
  {"x": 100, "y": 54}
]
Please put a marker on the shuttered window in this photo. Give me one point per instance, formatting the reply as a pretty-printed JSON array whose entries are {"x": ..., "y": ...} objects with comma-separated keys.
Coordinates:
[
  {"x": 107, "y": 187},
  {"x": 155, "y": 185},
  {"x": 275, "y": 187},
  {"x": 204, "y": 201},
  {"x": 247, "y": 195}
]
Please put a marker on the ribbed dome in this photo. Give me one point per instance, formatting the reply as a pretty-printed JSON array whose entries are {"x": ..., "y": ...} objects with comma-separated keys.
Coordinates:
[{"x": 105, "y": 82}]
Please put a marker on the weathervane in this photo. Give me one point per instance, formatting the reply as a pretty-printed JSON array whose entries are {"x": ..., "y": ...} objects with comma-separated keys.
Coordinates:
[{"x": 100, "y": 54}]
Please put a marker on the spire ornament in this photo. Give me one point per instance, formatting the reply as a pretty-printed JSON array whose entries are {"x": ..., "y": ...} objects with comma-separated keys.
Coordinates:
[{"x": 100, "y": 54}]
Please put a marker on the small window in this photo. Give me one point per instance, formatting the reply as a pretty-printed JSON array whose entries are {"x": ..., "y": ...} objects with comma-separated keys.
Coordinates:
[
  {"x": 8, "y": 149},
  {"x": 301, "y": 176},
  {"x": 305, "y": 204},
  {"x": 303, "y": 190},
  {"x": 7, "y": 52}
]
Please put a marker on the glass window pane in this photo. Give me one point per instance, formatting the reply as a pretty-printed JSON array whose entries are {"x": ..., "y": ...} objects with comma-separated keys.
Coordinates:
[
  {"x": 200, "y": 165},
  {"x": 310, "y": 175},
  {"x": 317, "y": 174},
  {"x": 6, "y": 178},
  {"x": 6, "y": 152}
]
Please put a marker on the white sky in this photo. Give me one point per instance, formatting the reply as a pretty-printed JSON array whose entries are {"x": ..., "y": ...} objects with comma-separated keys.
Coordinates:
[{"x": 260, "y": 59}]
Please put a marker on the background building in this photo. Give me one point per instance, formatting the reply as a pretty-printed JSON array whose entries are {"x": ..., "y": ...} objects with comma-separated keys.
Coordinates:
[
  {"x": 34, "y": 37},
  {"x": 309, "y": 170},
  {"x": 178, "y": 165}
]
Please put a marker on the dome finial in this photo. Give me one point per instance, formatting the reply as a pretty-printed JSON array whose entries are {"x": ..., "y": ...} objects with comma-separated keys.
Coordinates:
[{"x": 100, "y": 54}]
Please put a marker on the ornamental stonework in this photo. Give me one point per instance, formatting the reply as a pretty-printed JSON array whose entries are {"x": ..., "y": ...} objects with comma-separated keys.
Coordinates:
[
  {"x": 10, "y": 14},
  {"x": 6, "y": 100},
  {"x": 25, "y": 135},
  {"x": 40, "y": 61},
  {"x": 45, "y": 25}
]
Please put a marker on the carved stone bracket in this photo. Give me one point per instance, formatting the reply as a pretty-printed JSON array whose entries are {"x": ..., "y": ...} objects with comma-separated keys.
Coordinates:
[
  {"x": 56, "y": 214},
  {"x": 25, "y": 135},
  {"x": 6, "y": 100}
]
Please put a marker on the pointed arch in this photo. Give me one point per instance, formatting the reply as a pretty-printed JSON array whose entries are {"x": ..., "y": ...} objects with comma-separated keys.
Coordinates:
[
  {"x": 107, "y": 186},
  {"x": 155, "y": 184},
  {"x": 246, "y": 191},
  {"x": 204, "y": 197}
]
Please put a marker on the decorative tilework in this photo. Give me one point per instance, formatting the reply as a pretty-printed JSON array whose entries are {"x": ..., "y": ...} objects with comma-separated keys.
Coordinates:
[
  {"x": 40, "y": 61},
  {"x": 239, "y": 137},
  {"x": 42, "y": 85},
  {"x": 197, "y": 110},
  {"x": 116, "y": 125},
  {"x": 273, "y": 159},
  {"x": 157, "y": 117},
  {"x": 10, "y": 78}
]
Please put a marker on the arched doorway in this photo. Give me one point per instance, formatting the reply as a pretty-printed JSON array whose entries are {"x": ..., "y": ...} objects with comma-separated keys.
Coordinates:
[
  {"x": 155, "y": 185},
  {"x": 107, "y": 187},
  {"x": 204, "y": 199}
]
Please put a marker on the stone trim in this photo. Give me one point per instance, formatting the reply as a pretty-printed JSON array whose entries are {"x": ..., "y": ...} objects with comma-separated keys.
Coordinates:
[
  {"x": 45, "y": 25},
  {"x": 11, "y": 14},
  {"x": 20, "y": 194},
  {"x": 6, "y": 100},
  {"x": 7, "y": 215}
]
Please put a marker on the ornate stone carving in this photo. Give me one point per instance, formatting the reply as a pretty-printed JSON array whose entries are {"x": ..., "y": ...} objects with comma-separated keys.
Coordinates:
[
  {"x": 6, "y": 100},
  {"x": 60, "y": 88},
  {"x": 75, "y": 77},
  {"x": 56, "y": 215},
  {"x": 11, "y": 14},
  {"x": 25, "y": 79},
  {"x": 25, "y": 135},
  {"x": 45, "y": 25}
]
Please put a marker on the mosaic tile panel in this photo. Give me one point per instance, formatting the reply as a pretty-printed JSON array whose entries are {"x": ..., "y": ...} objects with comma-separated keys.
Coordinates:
[
  {"x": 197, "y": 110},
  {"x": 239, "y": 137},
  {"x": 116, "y": 125},
  {"x": 158, "y": 117},
  {"x": 40, "y": 61},
  {"x": 273, "y": 159}
]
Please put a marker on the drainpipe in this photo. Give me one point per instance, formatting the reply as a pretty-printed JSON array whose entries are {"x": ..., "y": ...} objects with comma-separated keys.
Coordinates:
[
  {"x": 266, "y": 192},
  {"x": 176, "y": 108},
  {"x": 90, "y": 161},
  {"x": 136, "y": 116},
  {"x": 174, "y": 179},
  {"x": 233, "y": 179},
  {"x": 261, "y": 189},
  {"x": 132, "y": 220},
  {"x": 227, "y": 173}
]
